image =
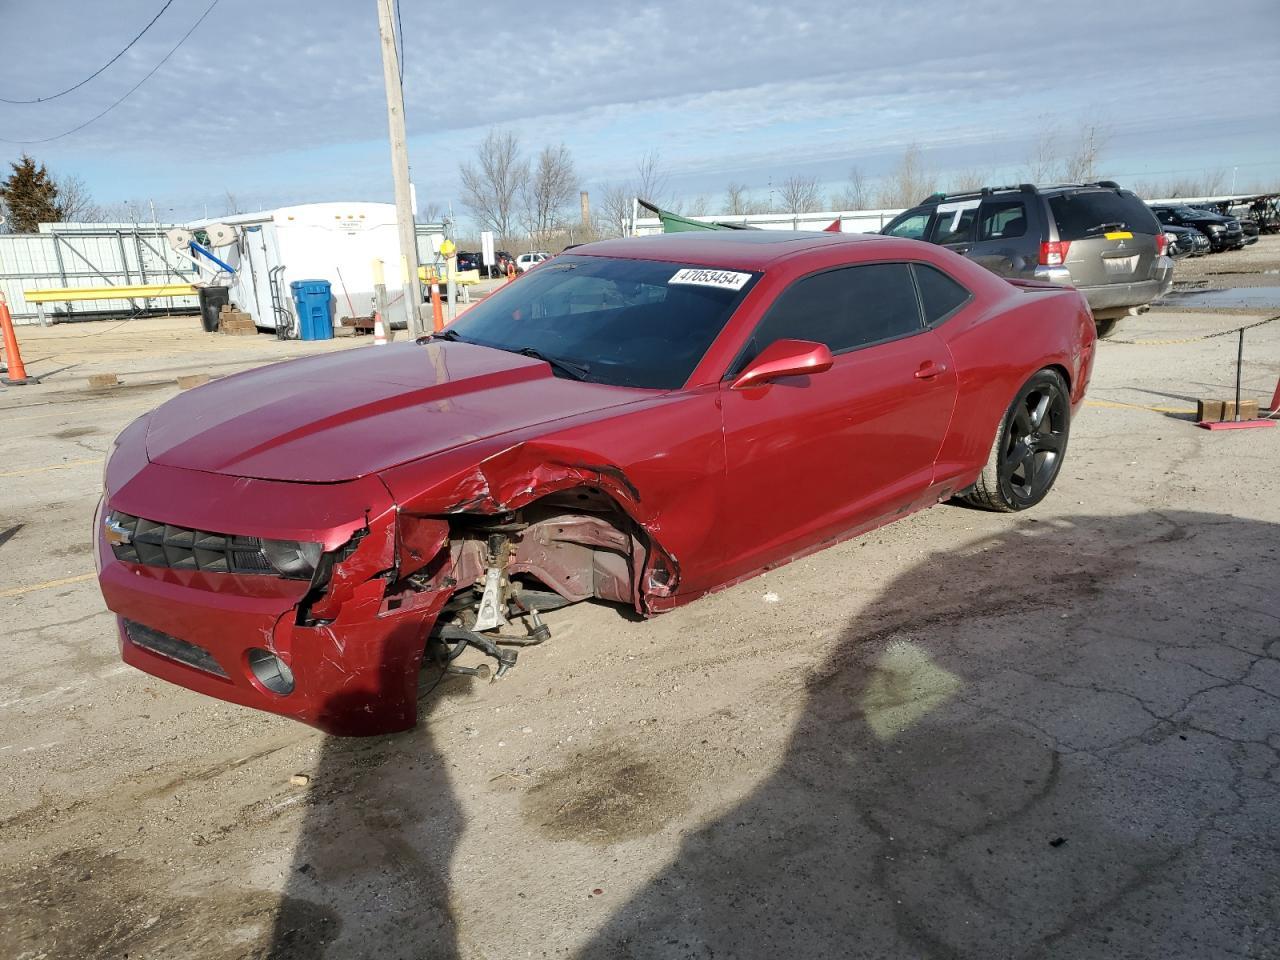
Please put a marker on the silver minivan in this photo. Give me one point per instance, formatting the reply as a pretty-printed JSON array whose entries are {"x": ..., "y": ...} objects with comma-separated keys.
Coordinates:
[{"x": 1096, "y": 237}]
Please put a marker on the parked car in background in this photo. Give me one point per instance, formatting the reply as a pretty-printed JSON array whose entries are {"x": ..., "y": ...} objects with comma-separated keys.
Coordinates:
[
  {"x": 527, "y": 261},
  {"x": 1096, "y": 237},
  {"x": 1224, "y": 233},
  {"x": 502, "y": 260},
  {"x": 470, "y": 261},
  {"x": 1185, "y": 242},
  {"x": 720, "y": 404}
]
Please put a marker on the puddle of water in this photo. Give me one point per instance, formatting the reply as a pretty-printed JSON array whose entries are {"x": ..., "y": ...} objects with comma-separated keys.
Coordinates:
[{"x": 1265, "y": 297}]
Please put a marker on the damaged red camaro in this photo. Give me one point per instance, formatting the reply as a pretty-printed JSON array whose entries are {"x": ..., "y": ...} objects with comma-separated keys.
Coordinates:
[{"x": 640, "y": 421}]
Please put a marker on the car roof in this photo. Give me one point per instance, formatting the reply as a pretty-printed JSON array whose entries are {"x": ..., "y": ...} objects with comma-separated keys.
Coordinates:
[{"x": 736, "y": 249}]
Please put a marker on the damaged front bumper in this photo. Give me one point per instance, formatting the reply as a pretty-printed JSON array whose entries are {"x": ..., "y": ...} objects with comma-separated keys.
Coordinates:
[{"x": 344, "y": 659}]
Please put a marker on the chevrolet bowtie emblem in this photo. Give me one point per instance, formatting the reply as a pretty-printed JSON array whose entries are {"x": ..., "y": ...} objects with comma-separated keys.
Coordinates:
[{"x": 116, "y": 533}]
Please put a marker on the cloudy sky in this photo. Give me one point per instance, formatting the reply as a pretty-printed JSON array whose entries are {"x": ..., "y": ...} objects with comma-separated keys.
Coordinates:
[{"x": 280, "y": 101}]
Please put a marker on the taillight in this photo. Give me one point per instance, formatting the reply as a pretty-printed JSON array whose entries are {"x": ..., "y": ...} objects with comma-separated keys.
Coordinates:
[
  {"x": 1053, "y": 253},
  {"x": 1162, "y": 241}
]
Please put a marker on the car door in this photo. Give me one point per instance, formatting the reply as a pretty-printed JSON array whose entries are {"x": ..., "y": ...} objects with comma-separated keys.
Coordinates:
[
  {"x": 1001, "y": 240},
  {"x": 811, "y": 457}
]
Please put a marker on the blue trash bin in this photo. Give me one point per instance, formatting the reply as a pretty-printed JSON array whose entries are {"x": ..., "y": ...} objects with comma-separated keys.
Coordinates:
[{"x": 312, "y": 301}]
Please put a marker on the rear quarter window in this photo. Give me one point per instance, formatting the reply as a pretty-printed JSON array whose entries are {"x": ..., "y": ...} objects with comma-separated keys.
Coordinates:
[
  {"x": 1090, "y": 212},
  {"x": 940, "y": 296}
]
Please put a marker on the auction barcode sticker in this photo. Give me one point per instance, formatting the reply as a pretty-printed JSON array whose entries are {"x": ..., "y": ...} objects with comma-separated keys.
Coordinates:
[{"x": 725, "y": 279}]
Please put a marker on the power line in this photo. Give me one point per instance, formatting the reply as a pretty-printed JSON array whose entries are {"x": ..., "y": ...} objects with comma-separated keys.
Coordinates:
[
  {"x": 129, "y": 93},
  {"x": 63, "y": 93}
]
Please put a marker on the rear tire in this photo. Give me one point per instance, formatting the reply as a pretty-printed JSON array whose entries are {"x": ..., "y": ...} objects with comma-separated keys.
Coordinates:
[
  {"x": 1029, "y": 447},
  {"x": 1106, "y": 327}
]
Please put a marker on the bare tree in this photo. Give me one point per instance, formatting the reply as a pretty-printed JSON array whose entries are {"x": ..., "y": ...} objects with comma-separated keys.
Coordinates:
[
  {"x": 430, "y": 212},
  {"x": 1214, "y": 182},
  {"x": 854, "y": 195},
  {"x": 613, "y": 210},
  {"x": 231, "y": 205},
  {"x": 697, "y": 207},
  {"x": 1081, "y": 163},
  {"x": 651, "y": 179},
  {"x": 910, "y": 182},
  {"x": 1042, "y": 164},
  {"x": 75, "y": 202},
  {"x": 800, "y": 194},
  {"x": 736, "y": 198},
  {"x": 493, "y": 184},
  {"x": 968, "y": 180},
  {"x": 1058, "y": 159},
  {"x": 552, "y": 188}
]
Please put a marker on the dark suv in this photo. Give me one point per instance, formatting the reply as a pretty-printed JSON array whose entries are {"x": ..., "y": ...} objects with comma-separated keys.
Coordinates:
[
  {"x": 1224, "y": 233},
  {"x": 1096, "y": 237}
]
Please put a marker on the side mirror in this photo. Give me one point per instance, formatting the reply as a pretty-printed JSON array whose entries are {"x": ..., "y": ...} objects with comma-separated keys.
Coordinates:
[{"x": 784, "y": 358}]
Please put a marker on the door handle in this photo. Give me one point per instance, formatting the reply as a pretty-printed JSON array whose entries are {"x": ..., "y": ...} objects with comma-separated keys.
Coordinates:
[{"x": 928, "y": 370}]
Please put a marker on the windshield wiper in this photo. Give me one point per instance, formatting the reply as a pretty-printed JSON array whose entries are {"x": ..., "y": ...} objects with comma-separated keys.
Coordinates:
[
  {"x": 575, "y": 370},
  {"x": 446, "y": 335},
  {"x": 1111, "y": 225}
]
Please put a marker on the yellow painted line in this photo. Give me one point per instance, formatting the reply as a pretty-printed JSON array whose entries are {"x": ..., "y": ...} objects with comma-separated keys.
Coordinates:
[
  {"x": 47, "y": 585},
  {"x": 1117, "y": 405},
  {"x": 52, "y": 466},
  {"x": 122, "y": 292}
]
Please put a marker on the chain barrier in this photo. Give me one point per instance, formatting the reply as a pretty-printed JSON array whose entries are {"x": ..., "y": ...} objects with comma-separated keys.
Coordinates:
[{"x": 1204, "y": 336}]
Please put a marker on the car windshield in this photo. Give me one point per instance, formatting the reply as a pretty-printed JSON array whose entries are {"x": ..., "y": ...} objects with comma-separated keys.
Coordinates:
[{"x": 632, "y": 323}]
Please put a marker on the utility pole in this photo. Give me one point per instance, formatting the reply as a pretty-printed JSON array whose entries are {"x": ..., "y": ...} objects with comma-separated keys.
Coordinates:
[{"x": 400, "y": 168}]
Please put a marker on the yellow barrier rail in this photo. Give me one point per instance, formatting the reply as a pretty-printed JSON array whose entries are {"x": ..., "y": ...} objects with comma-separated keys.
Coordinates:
[{"x": 127, "y": 292}]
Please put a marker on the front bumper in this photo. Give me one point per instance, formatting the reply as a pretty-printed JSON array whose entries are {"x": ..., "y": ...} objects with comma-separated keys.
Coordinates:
[{"x": 354, "y": 672}]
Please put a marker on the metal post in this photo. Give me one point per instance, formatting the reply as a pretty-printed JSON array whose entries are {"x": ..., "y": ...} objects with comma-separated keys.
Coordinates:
[
  {"x": 451, "y": 269},
  {"x": 62, "y": 276},
  {"x": 142, "y": 269},
  {"x": 400, "y": 168},
  {"x": 124, "y": 265},
  {"x": 1239, "y": 364}
]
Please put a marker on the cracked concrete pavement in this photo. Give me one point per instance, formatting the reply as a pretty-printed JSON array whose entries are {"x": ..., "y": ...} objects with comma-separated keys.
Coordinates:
[{"x": 1048, "y": 735}]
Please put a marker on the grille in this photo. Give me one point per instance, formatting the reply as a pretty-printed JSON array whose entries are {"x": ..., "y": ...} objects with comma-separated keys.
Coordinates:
[
  {"x": 173, "y": 648},
  {"x": 181, "y": 548}
]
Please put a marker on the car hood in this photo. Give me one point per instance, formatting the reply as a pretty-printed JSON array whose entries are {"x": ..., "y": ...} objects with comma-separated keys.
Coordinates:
[{"x": 345, "y": 415}]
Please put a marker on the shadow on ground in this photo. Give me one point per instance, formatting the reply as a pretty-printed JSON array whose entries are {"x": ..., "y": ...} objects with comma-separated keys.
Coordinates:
[{"x": 1060, "y": 742}]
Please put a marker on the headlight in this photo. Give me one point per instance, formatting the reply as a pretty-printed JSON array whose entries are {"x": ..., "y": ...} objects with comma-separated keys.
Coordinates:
[
  {"x": 296, "y": 559},
  {"x": 1216, "y": 227}
]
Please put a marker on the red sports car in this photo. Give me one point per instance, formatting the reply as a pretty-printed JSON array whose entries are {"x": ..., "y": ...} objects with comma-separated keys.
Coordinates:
[{"x": 640, "y": 421}]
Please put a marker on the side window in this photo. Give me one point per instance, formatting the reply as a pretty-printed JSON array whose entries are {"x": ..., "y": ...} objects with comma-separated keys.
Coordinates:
[
  {"x": 939, "y": 294},
  {"x": 953, "y": 226},
  {"x": 1002, "y": 220},
  {"x": 845, "y": 308},
  {"x": 911, "y": 226}
]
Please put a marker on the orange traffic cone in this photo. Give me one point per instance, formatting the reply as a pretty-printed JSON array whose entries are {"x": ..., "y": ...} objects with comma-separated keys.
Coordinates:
[
  {"x": 437, "y": 310},
  {"x": 17, "y": 373},
  {"x": 379, "y": 330}
]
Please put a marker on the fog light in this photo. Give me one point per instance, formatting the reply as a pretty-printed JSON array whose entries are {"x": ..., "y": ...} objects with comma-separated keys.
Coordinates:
[{"x": 270, "y": 671}]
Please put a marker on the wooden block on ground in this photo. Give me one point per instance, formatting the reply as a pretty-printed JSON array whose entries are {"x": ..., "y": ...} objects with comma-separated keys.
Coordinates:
[
  {"x": 99, "y": 380},
  {"x": 1217, "y": 410},
  {"x": 192, "y": 380}
]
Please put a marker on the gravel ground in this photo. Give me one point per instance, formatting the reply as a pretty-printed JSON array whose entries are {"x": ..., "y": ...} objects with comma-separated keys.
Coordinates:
[{"x": 1053, "y": 734}]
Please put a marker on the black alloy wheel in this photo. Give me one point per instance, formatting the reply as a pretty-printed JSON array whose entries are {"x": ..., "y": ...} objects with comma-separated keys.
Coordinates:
[{"x": 1029, "y": 447}]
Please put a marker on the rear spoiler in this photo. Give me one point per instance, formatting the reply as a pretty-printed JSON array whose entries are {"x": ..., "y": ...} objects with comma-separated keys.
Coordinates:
[{"x": 1036, "y": 284}]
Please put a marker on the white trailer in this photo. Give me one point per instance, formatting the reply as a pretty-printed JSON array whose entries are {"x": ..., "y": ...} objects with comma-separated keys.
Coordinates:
[{"x": 337, "y": 242}]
